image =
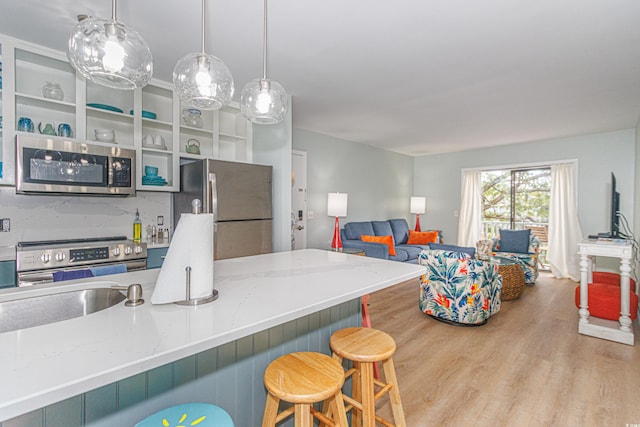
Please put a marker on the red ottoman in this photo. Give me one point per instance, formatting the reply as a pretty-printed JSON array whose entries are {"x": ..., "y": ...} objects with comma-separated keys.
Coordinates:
[
  {"x": 610, "y": 278},
  {"x": 604, "y": 301}
]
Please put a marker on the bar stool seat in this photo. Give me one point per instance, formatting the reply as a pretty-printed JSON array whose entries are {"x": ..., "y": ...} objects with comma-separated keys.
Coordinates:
[
  {"x": 365, "y": 347},
  {"x": 303, "y": 379},
  {"x": 189, "y": 414}
]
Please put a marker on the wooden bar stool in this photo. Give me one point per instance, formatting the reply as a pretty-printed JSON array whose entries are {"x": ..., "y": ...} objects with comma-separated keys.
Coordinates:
[
  {"x": 303, "y": 379},
  {"x": 189, "y": 414},
  {"x": 366, "y": 322},
  {"x": 364, "y": 347}
]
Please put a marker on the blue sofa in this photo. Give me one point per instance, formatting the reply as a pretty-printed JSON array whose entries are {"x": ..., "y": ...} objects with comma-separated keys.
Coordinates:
[{"x": 398, "y": 228}]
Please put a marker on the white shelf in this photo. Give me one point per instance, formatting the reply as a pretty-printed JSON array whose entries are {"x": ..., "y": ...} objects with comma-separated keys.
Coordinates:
[
  {"x": 156, "y": 123},
  {"x": 234, "y": 137},
  {"x": 197, "y": 131},
  {"x": 192, "y": 156},
  {"x": 155, "y": 150},
  {"x": 110, "y": 115},
  {"x": 41, "y": 102}
]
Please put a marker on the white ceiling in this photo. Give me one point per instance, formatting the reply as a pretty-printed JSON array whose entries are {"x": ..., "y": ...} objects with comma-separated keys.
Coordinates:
[{"x": 411, "y": 76}]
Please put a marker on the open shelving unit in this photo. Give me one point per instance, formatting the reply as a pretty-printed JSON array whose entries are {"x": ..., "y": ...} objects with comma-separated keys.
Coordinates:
[{"x": 26, "y": 68}]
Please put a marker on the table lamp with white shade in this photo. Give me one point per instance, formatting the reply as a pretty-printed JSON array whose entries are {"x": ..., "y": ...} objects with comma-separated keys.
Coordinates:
[
  {"x": 418, "y": 206},
  {"x": 337, "y": 207}
]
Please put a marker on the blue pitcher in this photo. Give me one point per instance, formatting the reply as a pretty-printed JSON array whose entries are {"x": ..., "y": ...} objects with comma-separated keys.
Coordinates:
[
  {"x": 25, "y": 124},
  {"x": 64, "y": 129}
]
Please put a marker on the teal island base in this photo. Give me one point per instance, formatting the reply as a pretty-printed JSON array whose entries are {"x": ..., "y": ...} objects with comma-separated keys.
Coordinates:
[{"x": 230, "y": 376}]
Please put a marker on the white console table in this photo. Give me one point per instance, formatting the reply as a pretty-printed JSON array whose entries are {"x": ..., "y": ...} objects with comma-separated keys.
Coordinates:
[{"x": 621, "y": 331}]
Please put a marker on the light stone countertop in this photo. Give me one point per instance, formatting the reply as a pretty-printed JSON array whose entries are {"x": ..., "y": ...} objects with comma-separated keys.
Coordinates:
[
  {"x": 7, "y": 253},
  {"x": 45, "y": 364}
]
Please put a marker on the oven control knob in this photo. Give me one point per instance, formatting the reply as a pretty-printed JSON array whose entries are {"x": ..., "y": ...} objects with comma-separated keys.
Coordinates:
[
  {"x": 45, "y": 257},
  {"x": 60, "y": 256},
  {"x": 116, "y": 251},
  {"x": 138, "y": 250},
  {"x": 128, "y": 250}
]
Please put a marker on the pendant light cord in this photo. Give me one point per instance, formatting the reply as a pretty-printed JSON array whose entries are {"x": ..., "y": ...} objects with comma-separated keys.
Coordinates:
[
  {"x": 264, "y": 44},
  {"x": 113, "y": 10},
  {"x": 203, "y": 26}
]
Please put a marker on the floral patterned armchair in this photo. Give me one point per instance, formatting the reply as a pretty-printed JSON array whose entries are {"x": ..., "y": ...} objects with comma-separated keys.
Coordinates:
[
  {"x": 528, "y": 261},
  {"x": 459, "y": 289}
]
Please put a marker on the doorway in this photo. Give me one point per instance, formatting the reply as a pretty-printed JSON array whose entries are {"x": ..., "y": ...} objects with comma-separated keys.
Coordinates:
[{"x": 298, "y": 200}]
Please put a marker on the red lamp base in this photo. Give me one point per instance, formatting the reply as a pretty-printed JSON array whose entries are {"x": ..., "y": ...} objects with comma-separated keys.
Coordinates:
[
  {"x": 336, "y": 242},
  {"x": 417, "y": 223}
]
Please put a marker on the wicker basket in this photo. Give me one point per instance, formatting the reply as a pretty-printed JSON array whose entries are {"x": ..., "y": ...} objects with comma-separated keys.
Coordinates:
[{"x": 513, "y": 281}]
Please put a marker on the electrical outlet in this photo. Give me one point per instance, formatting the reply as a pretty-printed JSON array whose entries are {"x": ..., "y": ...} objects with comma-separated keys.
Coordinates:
[
  {"x": 160, "y": 220},
  {"x": 5, "y": 224}
]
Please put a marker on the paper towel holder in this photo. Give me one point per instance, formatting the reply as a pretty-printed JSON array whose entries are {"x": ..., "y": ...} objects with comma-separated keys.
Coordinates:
[{"x": 195, "y": 301}]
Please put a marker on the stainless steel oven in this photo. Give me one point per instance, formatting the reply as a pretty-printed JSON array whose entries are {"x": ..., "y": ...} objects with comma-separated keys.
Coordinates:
[
  {"x": 53, "y": 260},
  {"x": 48, "y": 165}
]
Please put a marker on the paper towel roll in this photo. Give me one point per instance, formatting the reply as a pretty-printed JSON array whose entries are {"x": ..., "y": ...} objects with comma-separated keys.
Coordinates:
[{"x": 191, "y": 246}]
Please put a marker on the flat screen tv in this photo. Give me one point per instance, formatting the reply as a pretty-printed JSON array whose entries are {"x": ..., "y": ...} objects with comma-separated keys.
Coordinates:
[
  {"x": 614, "y": 218},
  {"x": 614, "y": 231}
]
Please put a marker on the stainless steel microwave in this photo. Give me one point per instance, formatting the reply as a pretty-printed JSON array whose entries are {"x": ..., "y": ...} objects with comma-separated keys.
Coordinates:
[{"x": 57, "y": 166}]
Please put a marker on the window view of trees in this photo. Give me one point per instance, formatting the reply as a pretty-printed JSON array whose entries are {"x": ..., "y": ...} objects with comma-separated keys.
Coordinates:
[{"x": 515, "y": 198}]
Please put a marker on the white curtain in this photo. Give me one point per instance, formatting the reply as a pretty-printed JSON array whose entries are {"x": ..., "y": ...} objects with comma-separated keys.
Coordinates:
[
  {"x": 564, "y": 226},
  {"x": 470, "y": 221}
]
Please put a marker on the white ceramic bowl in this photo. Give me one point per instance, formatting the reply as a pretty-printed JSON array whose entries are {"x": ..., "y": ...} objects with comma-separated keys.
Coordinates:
[{"x": 105, "y": 135}]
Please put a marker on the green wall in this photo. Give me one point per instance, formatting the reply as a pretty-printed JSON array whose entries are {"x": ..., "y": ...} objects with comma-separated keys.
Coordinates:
[
  {"x": 379, "y": 182},
  {"x": 636, "y": 193},
  {"x": 438, "y": 177}
]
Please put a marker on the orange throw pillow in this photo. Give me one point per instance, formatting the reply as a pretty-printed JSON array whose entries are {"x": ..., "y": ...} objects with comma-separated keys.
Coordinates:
[
  {"x": 387, "y": 240},
  {"x": 422, "y": 237}
]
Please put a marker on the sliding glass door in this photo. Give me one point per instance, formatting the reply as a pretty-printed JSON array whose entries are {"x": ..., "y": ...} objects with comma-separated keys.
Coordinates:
[{"x": 516, "y": 199}]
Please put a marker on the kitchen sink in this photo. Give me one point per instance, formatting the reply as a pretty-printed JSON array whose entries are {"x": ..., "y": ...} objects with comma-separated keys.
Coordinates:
[{"x": 41, "y": 310}]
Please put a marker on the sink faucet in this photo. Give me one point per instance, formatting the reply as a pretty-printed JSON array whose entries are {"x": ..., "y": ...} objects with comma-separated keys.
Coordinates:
[{"x": 134, "y": 294}]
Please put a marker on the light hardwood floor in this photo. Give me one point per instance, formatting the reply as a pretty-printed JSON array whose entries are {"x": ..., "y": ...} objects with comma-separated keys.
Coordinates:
[{"x": 528, "y": 366}]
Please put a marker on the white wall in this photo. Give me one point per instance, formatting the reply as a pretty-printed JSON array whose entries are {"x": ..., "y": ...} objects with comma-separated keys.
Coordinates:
[
  {"x": 379, "y": 183},
  {"x": 36, "y": 217},
  {"x": 438, "y": 177},
  {"x": 272, "y": 146}
]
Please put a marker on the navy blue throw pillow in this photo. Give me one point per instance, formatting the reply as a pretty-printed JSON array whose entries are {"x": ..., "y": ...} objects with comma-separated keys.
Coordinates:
[
  {"x": 516, "y": 241},
  {"x": 467, "y": 250}
]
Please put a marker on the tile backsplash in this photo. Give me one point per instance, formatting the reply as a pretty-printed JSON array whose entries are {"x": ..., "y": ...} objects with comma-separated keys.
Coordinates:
[{"x": 35, "y": 217}]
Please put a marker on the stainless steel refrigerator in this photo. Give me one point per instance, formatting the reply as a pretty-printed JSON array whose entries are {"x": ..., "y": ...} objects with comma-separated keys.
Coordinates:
[{"x": 239, "y": 196}]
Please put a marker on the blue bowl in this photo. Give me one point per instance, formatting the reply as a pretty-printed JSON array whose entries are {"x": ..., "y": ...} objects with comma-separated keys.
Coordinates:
[
  {"x": 146, "y": 114},
  {"x": 151, "y": 171}
]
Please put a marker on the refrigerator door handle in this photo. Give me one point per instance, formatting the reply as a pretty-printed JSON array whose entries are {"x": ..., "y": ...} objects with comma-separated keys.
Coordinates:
[{"x": 213, "y": 194}]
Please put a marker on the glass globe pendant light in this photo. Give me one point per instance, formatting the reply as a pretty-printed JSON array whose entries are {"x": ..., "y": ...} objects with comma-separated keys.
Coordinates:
[
  {"x": 202, "y": 80},
  {"x": 109, "y": 53},
  {"x": 264, "y": 101}
]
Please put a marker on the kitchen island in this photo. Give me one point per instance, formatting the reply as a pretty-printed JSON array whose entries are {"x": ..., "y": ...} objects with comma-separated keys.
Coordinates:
[{"x": 115, "y": 366}]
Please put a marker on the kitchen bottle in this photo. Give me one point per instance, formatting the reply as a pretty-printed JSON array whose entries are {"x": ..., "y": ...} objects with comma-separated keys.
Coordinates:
[{"x": 137, "y": 227}]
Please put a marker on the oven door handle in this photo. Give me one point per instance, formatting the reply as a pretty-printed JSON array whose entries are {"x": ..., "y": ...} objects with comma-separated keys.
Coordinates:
[{"x": 35, "y": 279}]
